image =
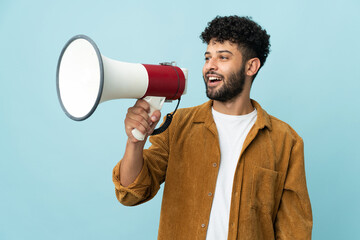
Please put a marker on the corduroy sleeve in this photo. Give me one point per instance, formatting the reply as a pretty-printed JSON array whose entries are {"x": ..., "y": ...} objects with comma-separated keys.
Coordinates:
[
  {"x": 136, "y": 192},
  {"x": 294, "y": 217},
  {"x": 147, "y": 183}
]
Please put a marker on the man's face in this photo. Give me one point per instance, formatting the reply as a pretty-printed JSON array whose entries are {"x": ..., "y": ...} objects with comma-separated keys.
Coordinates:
[{"x": 223, "y": 71}]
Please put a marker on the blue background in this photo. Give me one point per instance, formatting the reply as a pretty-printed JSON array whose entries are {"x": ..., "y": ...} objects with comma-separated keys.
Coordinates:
[{"x": 55, "y": 173}]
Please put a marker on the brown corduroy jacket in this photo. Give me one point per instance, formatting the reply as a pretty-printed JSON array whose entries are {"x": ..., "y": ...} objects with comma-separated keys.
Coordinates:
[{"x": 269, "y": 198}]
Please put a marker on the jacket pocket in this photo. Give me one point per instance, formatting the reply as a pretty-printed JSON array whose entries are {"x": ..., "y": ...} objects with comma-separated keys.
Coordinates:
[{"x": 265, "y": 186}]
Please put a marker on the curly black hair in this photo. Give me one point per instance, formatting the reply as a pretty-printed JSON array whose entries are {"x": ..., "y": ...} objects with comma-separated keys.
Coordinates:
[{"x": 253, "y": 41}]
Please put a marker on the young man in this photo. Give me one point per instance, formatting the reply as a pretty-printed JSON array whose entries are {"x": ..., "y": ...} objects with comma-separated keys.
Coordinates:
[{"x": 231, "y": 170}]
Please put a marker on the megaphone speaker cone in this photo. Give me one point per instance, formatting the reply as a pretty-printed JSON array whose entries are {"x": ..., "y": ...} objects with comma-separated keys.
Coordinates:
[{"x": 80, "y": 77}]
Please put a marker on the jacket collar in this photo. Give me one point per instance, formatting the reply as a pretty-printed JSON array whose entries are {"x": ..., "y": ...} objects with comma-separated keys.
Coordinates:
[{"x": 204, "y": 115}]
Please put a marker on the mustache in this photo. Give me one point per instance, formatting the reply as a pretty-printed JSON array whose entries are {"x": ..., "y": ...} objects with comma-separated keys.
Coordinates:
[{"x": 213, "y": 73}]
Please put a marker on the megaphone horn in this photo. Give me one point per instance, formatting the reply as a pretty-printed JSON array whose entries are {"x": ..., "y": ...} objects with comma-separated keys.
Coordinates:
[{"x": 86, "y": 78}]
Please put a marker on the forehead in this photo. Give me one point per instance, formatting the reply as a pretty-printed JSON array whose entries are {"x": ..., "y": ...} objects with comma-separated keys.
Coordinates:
[{"x": 215, "y": 46}]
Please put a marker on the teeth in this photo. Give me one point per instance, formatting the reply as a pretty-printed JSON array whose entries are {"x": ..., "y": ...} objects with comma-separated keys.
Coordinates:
[{"x": 214, "y": 79}]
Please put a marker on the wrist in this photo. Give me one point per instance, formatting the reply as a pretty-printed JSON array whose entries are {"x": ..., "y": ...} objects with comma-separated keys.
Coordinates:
[{"x": 135, "y": 146}]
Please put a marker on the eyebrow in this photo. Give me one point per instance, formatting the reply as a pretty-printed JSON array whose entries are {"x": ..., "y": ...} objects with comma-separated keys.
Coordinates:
[{"x": 221, "y": 51}]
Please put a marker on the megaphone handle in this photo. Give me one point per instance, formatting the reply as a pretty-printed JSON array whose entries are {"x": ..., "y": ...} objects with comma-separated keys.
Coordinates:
[{"x": 155, "y": 103}]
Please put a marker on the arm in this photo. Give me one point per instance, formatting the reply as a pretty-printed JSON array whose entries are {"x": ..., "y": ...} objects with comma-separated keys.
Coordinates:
[
  {"x": 132, "y": 175},
  {"x": 132, "y": 162},
  {"x": 294, "y": 217}
]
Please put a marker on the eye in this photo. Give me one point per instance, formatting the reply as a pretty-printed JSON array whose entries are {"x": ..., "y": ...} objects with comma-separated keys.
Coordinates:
[
  {"x": 207, "y": 58},
  {"x": 223, "y": 58}
]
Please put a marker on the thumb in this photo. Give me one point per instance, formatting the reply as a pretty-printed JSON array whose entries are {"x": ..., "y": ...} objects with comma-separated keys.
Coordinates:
[{"x": 155, "y": 117}]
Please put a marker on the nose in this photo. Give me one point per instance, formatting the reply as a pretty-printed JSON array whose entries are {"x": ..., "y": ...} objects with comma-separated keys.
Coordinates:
[{"x": 210, "y": 65}]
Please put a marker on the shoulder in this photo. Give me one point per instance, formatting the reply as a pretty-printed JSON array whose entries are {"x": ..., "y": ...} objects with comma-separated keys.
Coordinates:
[
  {"x": 276, "y": 127},
  {"x": 281, "y": 129}
]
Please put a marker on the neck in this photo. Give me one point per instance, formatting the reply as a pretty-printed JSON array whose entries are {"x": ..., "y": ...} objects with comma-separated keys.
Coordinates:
[{"x": 240, "y": 105}]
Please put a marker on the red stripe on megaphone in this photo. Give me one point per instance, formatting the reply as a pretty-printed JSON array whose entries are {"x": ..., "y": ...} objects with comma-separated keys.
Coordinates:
[{"x": 165, "y": 81}]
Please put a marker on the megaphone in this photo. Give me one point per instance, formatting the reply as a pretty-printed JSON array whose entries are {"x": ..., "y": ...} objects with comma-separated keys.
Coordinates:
[{"x": 85, "y": 78}]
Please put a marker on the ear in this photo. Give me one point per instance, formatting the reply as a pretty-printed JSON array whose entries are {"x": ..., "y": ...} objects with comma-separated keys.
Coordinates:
[{"x": 252, "y": 66}]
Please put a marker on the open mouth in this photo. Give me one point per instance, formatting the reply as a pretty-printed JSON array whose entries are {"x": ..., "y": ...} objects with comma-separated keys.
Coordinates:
[{"x": 214, "y": 79}]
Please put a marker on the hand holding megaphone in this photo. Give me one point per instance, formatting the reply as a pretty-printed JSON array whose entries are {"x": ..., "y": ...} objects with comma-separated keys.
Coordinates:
[
  {"x": 85, "y": 78},
  {"x": 141, "y": 120},
  {"x": 155, "y": 103}
]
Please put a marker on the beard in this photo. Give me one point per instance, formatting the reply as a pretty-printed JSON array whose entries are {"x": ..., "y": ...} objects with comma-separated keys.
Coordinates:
[{"x": 231, "y": 87}]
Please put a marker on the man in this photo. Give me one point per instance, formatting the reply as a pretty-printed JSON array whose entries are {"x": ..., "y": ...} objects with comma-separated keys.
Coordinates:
[{"x": 231, "y": 170}]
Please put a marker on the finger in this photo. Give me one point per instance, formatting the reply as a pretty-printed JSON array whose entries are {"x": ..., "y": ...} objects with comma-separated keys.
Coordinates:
[
  {"x": 137, "y": 121},
  {"x": 134, "y": 111},
  {"x": 131, "y": 125},
  {"x": 143, "y": 104}
]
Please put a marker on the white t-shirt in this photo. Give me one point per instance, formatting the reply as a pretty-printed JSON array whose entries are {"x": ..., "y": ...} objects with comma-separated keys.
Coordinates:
[{"x": 232, "y": 130}]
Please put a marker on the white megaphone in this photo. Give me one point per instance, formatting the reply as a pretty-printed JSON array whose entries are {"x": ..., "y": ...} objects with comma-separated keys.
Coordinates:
[{"x": 85, "y": 78}]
